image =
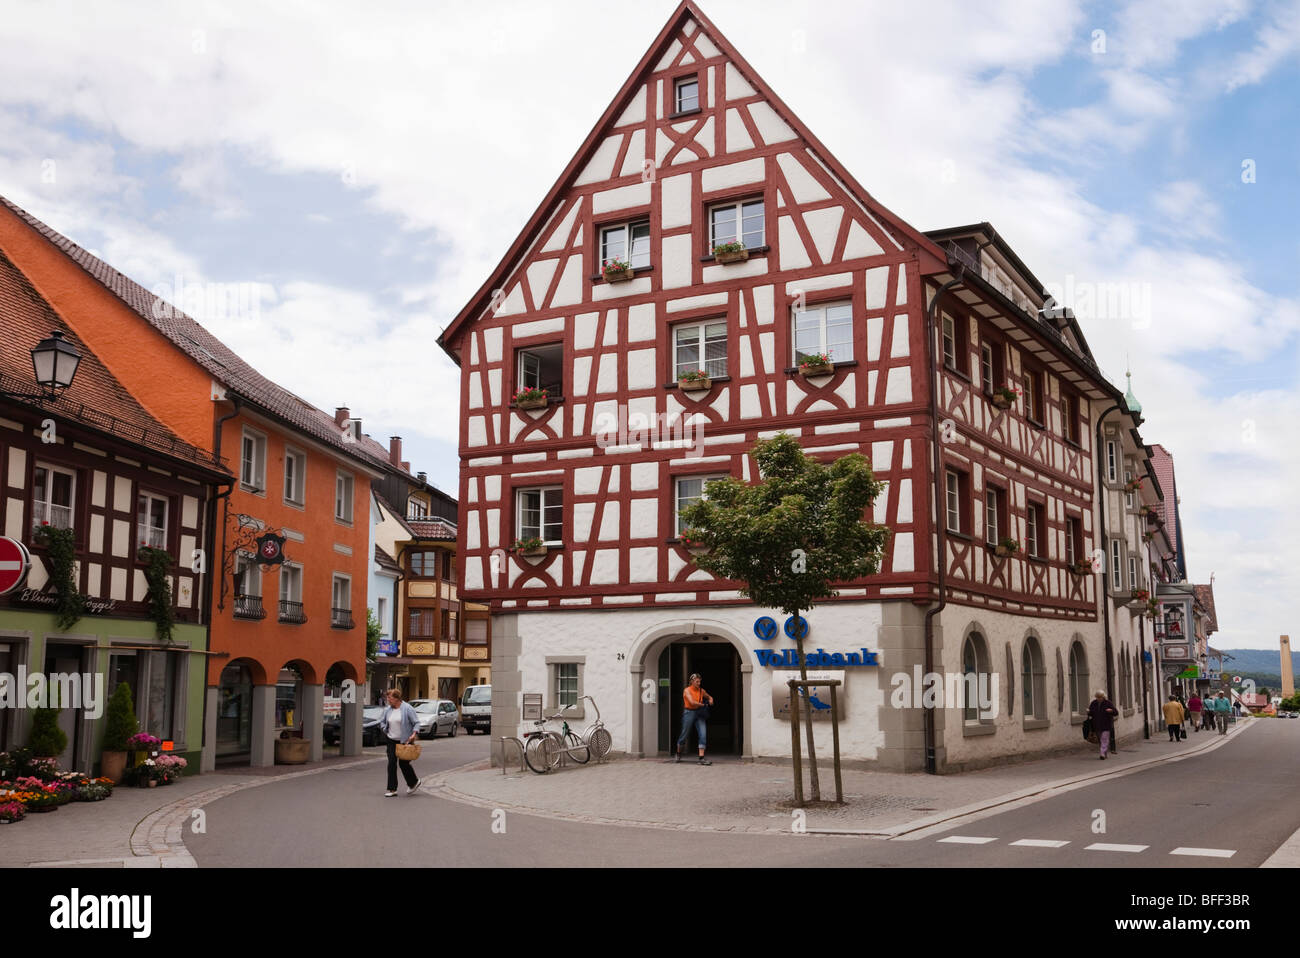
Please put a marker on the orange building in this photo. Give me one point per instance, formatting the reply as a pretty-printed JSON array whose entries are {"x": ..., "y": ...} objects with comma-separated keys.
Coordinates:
[{"x": 291, "y": 539}]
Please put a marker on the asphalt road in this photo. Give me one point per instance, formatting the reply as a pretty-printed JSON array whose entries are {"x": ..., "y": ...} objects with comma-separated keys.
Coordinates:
[{"x": 1238, "y": 799}]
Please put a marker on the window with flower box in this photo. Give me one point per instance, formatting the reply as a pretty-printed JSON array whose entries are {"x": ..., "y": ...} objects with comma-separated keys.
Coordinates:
[
  {"x": 151, "y": 521},
  {"x": 540, "y": 515},
  {"x": 700, "y": 346},
  {"x": 542, "y": 367},
  {"x": 824, "y": 329},
  {"x": 742, "y": 222},
  {"x": 53, "y": 496},
  {"x": 626, "y": 243}
]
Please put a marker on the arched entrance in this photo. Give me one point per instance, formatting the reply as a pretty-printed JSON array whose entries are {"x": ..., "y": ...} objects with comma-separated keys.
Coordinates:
[{"x": 661, "y": 661}]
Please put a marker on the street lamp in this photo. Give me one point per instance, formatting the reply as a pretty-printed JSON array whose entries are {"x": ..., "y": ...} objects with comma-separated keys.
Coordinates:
[{"x": 54, "y": 362}]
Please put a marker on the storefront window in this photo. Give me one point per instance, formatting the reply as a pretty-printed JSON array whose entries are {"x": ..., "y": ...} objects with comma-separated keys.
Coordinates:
[{"x": 234, "y": 710}]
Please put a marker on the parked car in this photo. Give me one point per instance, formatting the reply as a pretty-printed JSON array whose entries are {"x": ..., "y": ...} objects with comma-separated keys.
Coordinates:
[
  {"x": 476, "y": 709},
  {"x": 371, "y": 733},
  {"x": 437, "y": 717}
]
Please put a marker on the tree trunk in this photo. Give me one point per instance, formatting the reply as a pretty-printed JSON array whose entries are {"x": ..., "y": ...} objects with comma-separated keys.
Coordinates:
[{"x": 814, "y": 786}]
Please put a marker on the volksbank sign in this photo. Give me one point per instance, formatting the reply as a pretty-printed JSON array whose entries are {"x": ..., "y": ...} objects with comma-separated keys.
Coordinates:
[{"x": 821, "y": 659}]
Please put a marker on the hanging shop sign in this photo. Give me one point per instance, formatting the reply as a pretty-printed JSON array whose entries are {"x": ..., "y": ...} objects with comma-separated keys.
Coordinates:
[{"x": 270, "y": 549}]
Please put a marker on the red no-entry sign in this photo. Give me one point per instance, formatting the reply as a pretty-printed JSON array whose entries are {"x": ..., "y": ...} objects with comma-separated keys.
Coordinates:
[{"x": 15, "y": 561}]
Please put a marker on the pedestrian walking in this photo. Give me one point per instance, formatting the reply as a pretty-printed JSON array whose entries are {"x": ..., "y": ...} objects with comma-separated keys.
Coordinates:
[
  {"x": 400, "y": 725},
  {"x": 1221, "y": 707},
  {"x": 1208, "y": 707},
  {"x": 1102, "y": 712},
  {"x": 695, "y": 715},
  {"x": 1194, "y": 712},
  {"x": 1174, "y": 716}
]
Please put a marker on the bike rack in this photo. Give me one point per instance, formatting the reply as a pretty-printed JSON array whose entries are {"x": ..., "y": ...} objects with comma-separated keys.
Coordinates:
[{"x": 520, "y": 745}]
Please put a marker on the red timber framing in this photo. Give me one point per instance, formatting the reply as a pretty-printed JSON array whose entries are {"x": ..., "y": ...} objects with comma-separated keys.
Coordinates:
[{"x": 603, "y": 446}]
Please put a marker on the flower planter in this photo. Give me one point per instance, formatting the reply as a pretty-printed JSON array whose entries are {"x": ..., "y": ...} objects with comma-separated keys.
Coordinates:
[
  {"x": 41, "y": 809},
  {"x": 1136, "y": 607},
  {"x": 292, "y": 751},
  {"x": 619, "y": 276},
  {"x": 1082, "y": 567},
  {"x": 113, "y": 765},
  {"x": 536, "y": 552},
  {"x": 695, "y": 385},
  {"x": 532, "y": 402},
  {"x": 821, "y": 369},
  {"x": 1001, "y": 402},
  {"x": 1004, "y": 552},
  {"x": 737, "y": 257}
]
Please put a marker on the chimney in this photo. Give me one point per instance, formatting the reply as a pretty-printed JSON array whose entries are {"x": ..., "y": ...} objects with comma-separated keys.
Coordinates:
[
  {"x": 341, "y": 415},
  {"x": 423, "y": 477},
  {"x": 406, "y": 467},
  {"x": 395, "y": 451},
  {"x": 354, "y": 427}
]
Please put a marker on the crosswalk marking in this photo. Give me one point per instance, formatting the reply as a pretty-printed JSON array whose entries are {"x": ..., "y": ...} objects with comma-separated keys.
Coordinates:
[
  {"x": 1040, "y": 843},
  {"x": 967, "y": 840},
  {"x": 1205, "y": 852},
  {"x": 1104, "y": 847}
]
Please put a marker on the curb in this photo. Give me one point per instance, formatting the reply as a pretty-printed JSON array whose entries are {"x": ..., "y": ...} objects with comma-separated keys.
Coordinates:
[{"x": 1035, "y": 792}]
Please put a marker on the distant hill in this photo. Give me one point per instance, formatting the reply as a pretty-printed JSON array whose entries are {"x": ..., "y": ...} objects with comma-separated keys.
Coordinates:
[{"x": 1262, "y": 665}]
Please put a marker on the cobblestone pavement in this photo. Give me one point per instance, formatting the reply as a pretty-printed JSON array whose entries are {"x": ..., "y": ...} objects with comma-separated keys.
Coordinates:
[{"x": 734, "y": 796}]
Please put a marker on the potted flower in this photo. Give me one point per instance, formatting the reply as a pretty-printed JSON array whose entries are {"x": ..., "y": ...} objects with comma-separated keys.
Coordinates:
[
  {"x": 733, "y": 252},
  {"x": 1081, "y": 567},
  {"x": 1138, "y": 601},
  {"x": 694, "y": 543},
  {"x": 816, "y": 364},
  {"x": 1152, "y": 608},
  {"x": 530, "y": 547},
  {"x": 11, "y": 811},
  {"x": 617, "y": 271},
  {"x": 142, "y": 745},
  {"x": 530, "y": 397},
  {"x": 1006, "y": 547},
  {"x": 694, "y": 381},
  {"x": 172, "y": 766},
  {"x": 1004, "y": 397},
  {"x": 1133, "y": 485},
  {"x": 1145, "y": 510},
  {"x": 93, "y": 792}
]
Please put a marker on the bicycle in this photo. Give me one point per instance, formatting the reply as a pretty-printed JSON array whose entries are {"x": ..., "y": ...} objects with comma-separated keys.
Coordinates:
[{"x": 543, "y": 747}]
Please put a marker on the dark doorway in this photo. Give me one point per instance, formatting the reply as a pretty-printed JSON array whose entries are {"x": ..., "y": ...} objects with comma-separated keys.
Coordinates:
[
  {"x": 719, "y": 667},
  {"x": 62, "y": 659}
]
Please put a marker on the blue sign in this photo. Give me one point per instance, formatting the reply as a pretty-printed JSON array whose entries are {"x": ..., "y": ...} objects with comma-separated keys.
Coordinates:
[
  {"x": 388, "y": 647},
  {"x": 796, "y": 627},
  {"x": 821, "y": 659},
  {"x": 765, "y": 628}
]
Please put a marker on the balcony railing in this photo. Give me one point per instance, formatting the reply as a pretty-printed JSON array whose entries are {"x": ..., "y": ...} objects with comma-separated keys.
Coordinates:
[
  {"x": 341, "y": 618},
  {"x": 249, "y": 607},
  {"x": 47, "y": 513},
  {"x": 292, "y": 612}
]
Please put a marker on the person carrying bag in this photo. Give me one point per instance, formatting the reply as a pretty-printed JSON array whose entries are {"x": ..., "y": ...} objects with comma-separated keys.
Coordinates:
[
  {"x": 400, "y": 725},
  {"x": 696, "y": 704}
]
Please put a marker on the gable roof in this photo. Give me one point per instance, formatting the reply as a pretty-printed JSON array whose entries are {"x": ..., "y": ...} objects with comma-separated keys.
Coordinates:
[
  {"x": 96, "y": 399},
  {"x": 439, "y": 530},
  {"x": 687, "y": 10},
  {"x": 1205, "y": 596},
  {"x": 214, "y": 356}
]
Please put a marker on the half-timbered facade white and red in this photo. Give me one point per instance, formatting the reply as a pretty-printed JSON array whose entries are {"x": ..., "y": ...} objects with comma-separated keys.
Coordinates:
[{"x": 614, "y": 291}]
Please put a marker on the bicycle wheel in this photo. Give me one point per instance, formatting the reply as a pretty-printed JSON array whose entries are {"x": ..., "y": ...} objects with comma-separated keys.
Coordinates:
[
  {"x": 600, "y": 741},
  {"x": 578, "y": 750},
  {"x": 535, "y": 754}
]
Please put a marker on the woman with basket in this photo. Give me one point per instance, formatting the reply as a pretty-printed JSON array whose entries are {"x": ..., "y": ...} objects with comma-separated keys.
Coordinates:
[{"x": 400, "y": 725}]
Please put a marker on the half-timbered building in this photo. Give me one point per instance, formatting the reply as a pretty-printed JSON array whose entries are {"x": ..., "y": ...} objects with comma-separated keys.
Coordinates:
[{"x": 705, "y": 274}]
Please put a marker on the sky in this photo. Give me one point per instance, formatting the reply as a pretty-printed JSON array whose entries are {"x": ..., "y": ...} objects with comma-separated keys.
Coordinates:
[{"x": 327, "y": 184}]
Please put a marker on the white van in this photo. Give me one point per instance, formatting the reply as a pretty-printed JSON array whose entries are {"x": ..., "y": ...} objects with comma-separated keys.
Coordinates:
[{"x": 476, "y": 709}]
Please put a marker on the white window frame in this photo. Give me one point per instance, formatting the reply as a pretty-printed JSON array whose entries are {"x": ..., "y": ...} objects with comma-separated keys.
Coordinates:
[
  {"x": 949, "y": 334},
  {"x": 344, "y": 492},
  {"x": 739, "y": 207},
  {"x": 629, "y": 230},
  {"x": 381, "y": 613},
  {"x": 1033, "y": 534},
  {"x": 532, "y": 378},
  {"x": 952, "y": 483},
  {"x": 1128, "y": 496},
  {"x": 284, "y": 585},
  {"x": 252, "y": 472},
  {"x": 678, "y": 86},
  {"x": 346, "y": 581},
  {"x": 1132, "y": 572},
  {"x": 553, "y": 666},
  {"x": 145, "y": 533},
  {"x": 1111, "y": 462},
  {"x": 411, "y": 503},
  {"x": 677, "y": 495},
  {"x": 986, "y": 367},
  {"x": 836, "y": 352},
  {"x": 715, "y": 368},
  {"x": 991, "y": 515},
  {"x": 1116, "y": 565},
  {"x": 297, "y": 495},
  {"x": 46, "y": 506},
  {"x": 546, "y": 493},
  {"x": 249, "y": 572}
]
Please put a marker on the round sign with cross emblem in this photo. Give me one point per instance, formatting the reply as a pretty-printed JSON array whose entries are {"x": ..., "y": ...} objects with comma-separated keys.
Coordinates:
[
  {"x": 270, "y": 549},
  {"x": 15, "y": 563}
]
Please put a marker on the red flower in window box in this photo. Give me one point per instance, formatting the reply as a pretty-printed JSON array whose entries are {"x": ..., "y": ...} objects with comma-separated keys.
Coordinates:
[
  {"x": 617, "y": 271},
  {"x": 695, "y": 381},
  {"x": 733, "y": 252},
  {"x": 818, "y": 364},
  {"x": 530, "y": 398}
]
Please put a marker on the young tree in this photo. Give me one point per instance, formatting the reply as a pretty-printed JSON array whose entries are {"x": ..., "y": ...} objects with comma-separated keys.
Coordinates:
[{"x": 792, "y": 534}]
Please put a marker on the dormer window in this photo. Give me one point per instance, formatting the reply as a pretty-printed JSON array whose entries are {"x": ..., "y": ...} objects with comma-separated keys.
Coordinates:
[
  {"x": 686, "y": 95},
  {"x": 626, "y": 243}
]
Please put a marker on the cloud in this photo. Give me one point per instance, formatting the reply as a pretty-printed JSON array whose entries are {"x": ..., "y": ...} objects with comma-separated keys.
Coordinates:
[{"x": 1277, "y": 41}]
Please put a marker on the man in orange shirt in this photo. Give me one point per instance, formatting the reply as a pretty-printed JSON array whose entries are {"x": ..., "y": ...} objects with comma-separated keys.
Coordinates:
[{"x": 696, "y": 715}]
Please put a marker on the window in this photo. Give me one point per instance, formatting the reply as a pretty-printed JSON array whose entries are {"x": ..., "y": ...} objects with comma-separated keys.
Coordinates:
[
  {"x": 1111, "y": 464},
  {"x": 686, "y": 94},
  {"x": 416, "y": 508},
  {"x": 291, "y": 609},
  {"x": 1128, "y": 496},
  {"x": 1074, "y": 540},
  {"x": 424, "y": 565},
  {"x": 248, "y": 587},
  {"x": 700, "y": 347},
  {"x": 689, "y": 492},
  {"x": 958, "y": 486},
  {"x": 343, "y": 497},
  {"x": 1116, "y": 575},
  {"x": 252, "y": 466},
  {"x": 1035, "y": 529},
  {"x": 1132, "y": 572},
  {"x": 542, "y": 367},
  {"x": 975, "y": 668},
  {"x": 1080, "y": 695},
  {"x": 541, "y": 515},
  {"x": 566, "y": 683},
  {"x": 996, "y": 520},
  {"x": 1034, "y": 382},
  {"x": 824, "y": 329},
  {"x": 949, "y": 341},
  {"x": 295, "y": 477},
  {"x": 447, "y": 632},
  {"x": 1033, "y": 681},
  {"x": 151, "y": 520},
  {"x": 420, "y": 624},
  {"x": 53, "y": 492},
  {"x": 1070, "y": 417},
  {"x": 627, "y": 243},
  {"x": 381, "y": 613},
  {"x": 341, "y": 603},
  {"x": 448, "y": 567},
  {"x": 992, "y": 368},
  {"x": 738, "y": 222}
]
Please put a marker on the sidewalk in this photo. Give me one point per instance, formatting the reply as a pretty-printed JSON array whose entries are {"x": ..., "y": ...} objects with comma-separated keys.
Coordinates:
[
  {"x": 733, "y": 796},
  {"x": 136, "y": 827}
]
